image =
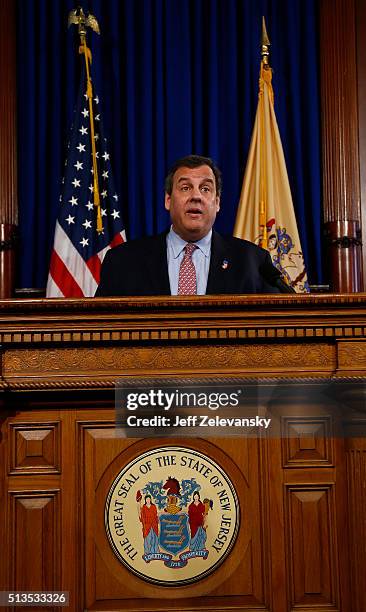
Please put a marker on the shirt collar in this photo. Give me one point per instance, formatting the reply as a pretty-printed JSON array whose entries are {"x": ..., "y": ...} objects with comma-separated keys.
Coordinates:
[{"x": 177, "y": 243}]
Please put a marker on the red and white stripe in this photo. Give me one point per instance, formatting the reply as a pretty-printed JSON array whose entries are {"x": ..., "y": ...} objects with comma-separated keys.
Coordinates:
[{"x": 70, "y": 275}]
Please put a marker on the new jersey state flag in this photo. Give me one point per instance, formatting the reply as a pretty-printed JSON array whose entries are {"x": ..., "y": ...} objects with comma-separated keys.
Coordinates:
[
  {"x": 79, "y": 249},
  {"x": 265, "y": 213}
]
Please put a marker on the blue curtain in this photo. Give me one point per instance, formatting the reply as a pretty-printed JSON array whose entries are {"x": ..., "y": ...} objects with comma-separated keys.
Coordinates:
[{"x": 174, "y": 77}]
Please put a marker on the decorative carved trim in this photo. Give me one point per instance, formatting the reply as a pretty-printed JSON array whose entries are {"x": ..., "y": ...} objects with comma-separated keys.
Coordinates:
[
  {"x": 102, "y": 383},
  {"x": 182, "y": 335},
  {"x": 182, "y": 331},
  {"x": 76, "y": 361},
  {"x": 157, "y": 320},
  {"x": 177, "y": 304},
  {"x": 352, "y": 355},
  {"x": 81, "y": 344}
]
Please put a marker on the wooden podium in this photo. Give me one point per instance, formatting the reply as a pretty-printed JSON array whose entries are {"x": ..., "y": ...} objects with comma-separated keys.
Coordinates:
[{"x": 302, "y": 497}]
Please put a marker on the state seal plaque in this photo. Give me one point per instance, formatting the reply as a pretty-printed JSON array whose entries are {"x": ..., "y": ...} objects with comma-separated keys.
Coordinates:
[{"x": 172, "y": 516}]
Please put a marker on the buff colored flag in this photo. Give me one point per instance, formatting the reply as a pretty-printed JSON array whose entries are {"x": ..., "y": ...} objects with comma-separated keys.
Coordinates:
[{"x": 265, "y": 212}]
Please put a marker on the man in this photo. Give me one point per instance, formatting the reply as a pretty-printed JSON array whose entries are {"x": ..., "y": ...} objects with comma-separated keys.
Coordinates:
[{"x": 191, "y": 258}]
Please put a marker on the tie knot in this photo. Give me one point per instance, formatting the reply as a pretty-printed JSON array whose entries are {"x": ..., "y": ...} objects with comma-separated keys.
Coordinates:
[{"x": 189, "y": 248}]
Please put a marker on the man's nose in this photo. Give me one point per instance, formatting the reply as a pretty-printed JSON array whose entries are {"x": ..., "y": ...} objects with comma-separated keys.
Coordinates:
[{"x": 196, "y": 194}]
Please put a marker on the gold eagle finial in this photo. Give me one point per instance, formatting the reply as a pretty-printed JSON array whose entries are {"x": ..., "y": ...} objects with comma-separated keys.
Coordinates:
[{"x": 78, "y": 17}]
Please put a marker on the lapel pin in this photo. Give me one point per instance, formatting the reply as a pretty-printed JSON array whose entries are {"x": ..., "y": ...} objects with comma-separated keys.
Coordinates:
[{"x": 225, "y": 264}]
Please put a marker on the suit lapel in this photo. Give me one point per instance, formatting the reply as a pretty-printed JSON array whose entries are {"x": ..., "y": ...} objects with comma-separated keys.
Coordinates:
[
  {"x": 220, "y": 266},
  {"x": 157, "y": 266}
]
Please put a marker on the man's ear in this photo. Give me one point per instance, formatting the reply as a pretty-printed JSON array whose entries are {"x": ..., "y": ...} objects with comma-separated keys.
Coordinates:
[
  {"x": 167, "y": 201},
  {"x": 217, "y": 203}
]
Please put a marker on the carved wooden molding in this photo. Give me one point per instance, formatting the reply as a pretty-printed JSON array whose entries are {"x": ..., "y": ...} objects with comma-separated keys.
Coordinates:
[
  {"x": 88, "y": 344},
  {"x": 147, "y": 333},
  {"x": 160, "y": 319},
  {"x": 352, "y": 355}
]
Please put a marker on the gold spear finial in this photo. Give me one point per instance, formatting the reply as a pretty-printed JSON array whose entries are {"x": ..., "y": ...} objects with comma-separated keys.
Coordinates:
[{"x": 265, "y": 44}]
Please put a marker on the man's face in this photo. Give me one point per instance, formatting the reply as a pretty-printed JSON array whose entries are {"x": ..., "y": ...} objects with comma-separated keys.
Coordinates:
[{"x": 193, "y": 203}]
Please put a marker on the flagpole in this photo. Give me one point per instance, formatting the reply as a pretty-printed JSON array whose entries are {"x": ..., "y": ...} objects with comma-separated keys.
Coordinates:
[
  {"x": 77, "y": 16},
  {"x": 265, "y": 44},
  {"x": 265, "y": 212}
]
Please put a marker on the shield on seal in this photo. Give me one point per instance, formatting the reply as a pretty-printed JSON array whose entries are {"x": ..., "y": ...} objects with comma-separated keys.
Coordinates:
[{"x": 174, "y": 532}]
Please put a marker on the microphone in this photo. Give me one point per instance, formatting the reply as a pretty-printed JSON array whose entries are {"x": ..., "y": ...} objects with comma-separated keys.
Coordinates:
[{"x": 274, "y": 278}]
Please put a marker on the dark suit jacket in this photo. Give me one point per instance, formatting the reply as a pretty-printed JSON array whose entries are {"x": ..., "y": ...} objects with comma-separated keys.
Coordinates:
[{"x": 140, "y": 267}]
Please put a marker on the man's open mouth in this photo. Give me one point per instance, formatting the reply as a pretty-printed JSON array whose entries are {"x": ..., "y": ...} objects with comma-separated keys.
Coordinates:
[{"x": 194, "y": 211}]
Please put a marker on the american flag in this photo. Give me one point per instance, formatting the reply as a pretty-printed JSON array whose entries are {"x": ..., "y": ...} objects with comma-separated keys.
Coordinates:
[{"x": 78, "y": 248}]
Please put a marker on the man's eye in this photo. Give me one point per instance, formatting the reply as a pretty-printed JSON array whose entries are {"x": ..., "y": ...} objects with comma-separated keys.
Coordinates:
[
  {"x": 205, "y": 188},
  {"x": 185, "y": 188}
]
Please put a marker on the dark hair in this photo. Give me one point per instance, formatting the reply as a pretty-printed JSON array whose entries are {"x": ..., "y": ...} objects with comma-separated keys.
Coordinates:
[{"x": 193, "y": 161}]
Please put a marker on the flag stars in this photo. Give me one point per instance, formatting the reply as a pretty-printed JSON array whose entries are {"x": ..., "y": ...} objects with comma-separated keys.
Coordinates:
[
  {"x": 76, "y": 182},
  {"x": 84, "y": 242},
  {"x": 83, "y": 130},
  {"x": 103, "y": 212},
  {"x": 105, "y": 156},
  {"x": 97, "y": 117},
  {"x": 115, "y": 197},
  {"x": 89, "y": 205},
  {"x": 70, "y": 219},
  {"x": 81, "y": 148},
  {"x": 91, "y": 188},
  {"x": 73, "y": 201},
  {"x": 104, "y": 193},
  {"x": 85, "y": 112},
  {"x": 78, "y": 166},
  {"x": 105, "y": 174},
  {"x": 87, "y": 224},
  {"x": 96, "y": 100},
  {"x": 96, "y": 136},
  {"x": 115, "y": 214}
]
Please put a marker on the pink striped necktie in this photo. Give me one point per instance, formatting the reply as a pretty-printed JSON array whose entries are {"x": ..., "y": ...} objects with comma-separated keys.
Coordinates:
[{"x": 187, "y": 281}]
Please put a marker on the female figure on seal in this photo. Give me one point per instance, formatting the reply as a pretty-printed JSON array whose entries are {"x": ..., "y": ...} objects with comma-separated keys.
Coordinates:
[{"x": 148, "y": 516}]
